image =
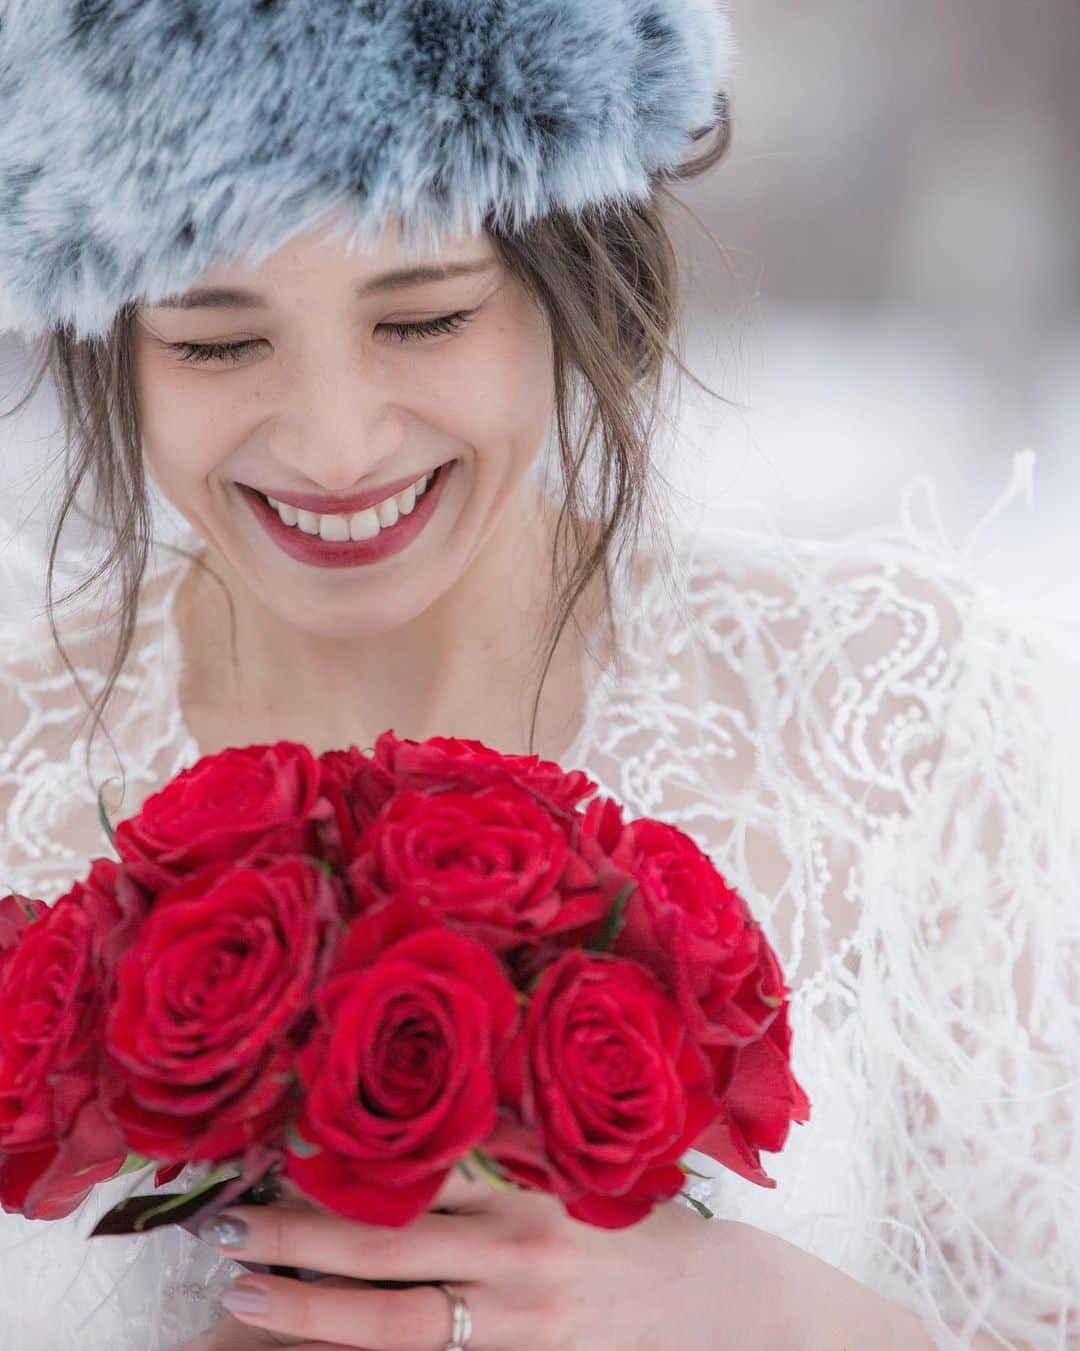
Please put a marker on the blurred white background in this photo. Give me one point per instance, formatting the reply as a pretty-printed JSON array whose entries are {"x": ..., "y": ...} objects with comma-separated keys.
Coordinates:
[
  {"x": 901, "y": 292},
  {"x": 900, "y": 208}
]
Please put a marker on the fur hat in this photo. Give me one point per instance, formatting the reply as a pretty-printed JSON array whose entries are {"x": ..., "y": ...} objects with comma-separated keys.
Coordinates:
[{"x": 145, "y": 141}]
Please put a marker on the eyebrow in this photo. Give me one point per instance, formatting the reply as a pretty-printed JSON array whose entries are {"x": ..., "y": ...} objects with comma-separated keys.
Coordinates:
[{"x": 236, "y": 298}]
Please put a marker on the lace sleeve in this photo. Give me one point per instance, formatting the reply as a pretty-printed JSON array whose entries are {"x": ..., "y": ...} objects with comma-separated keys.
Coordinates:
[
  {"x": 988, "y": 1070},
  {"x": 946, "y": 729},
  {"x": 878, "y": 747},
  {"x": 60, "y": 1290}
]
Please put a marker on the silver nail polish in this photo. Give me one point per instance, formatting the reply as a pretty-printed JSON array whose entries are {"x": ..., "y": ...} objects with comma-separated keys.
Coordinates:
[{"x": 224, "y": 1231}]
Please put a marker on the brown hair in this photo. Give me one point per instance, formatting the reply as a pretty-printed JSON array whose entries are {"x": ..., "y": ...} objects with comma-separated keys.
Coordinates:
[{"x": 608, "y": 281}]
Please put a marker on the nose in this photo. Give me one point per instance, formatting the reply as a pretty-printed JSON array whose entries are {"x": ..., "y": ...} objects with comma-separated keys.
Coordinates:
[{"x": 338, "y": 431}]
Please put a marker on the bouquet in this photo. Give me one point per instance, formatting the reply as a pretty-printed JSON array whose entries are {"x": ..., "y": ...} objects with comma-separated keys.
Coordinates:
[{"x": 359, "y": 971}]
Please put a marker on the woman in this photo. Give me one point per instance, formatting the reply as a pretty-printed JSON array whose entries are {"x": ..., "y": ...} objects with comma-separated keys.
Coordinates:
[{"x": 816, "y": 717}]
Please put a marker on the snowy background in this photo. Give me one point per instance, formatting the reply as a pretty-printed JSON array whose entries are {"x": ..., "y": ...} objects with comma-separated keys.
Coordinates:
[{"x": 899, "y": 288}]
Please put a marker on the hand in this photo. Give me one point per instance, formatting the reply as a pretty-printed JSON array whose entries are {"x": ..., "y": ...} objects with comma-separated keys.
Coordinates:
[{"x": 534, "y": 1278}]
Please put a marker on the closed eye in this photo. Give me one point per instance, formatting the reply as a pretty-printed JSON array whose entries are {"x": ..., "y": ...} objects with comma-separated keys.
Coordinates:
[{"x": 196, "y": 352}]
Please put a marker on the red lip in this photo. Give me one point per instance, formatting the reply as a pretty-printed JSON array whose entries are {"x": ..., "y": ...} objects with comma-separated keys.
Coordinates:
[
  {"x": 343, "y": 506},
  {"x": 320, "y": 553}
]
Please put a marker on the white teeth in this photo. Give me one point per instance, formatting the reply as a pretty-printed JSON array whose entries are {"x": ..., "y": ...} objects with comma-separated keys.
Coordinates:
[
  {"x": 364, "y": 524},
  {"x": 334, "y": 527},
  {"x": 387, "y": 512},
  {"x": 360, "y": 525}
]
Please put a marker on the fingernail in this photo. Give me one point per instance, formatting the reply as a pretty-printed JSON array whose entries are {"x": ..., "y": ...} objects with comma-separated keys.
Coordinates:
[
  {"x": 241, "y": 1298},
  {"x": 224, "y": 1231}
]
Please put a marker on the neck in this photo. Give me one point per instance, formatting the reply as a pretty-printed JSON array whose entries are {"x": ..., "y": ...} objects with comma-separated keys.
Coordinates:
[{"x": 467, "y": 666}]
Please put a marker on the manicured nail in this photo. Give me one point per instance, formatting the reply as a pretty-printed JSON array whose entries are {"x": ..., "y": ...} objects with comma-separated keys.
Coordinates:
[
  {"x": 224, "y": 1231},
  {"x": 240, "y": 1298}
]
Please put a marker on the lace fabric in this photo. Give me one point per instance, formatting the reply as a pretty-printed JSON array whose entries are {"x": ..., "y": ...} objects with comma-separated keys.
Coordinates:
[{"x": 877, "y": 749}]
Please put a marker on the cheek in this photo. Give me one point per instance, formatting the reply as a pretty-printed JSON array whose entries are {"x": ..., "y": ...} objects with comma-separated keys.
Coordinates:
[
  {"x": 184, "y": 435},
  {"x": 501, "y": 392}
]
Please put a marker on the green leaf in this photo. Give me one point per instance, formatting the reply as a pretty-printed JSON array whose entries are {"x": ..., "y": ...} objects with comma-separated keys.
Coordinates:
[
  {"x": 322, "y": 864},
  {"x": 133, "y": 1214},
  {"x": 25, "y": 903},
  {"x": 466, "y": 1170},
  {"x": 702, "y": 1209},
  {"x": 489, "y": 1171},
  {"x": 304, "y": 1149},
  {"x": 226, "y": 1170},
  {"x": 531, "y": 987},
  {"x": 613, "y": 923},
  {"x": 103, "y": 818},
  {"x": 133, "y": 1164},
  {"x": 692, "y": 1172}
]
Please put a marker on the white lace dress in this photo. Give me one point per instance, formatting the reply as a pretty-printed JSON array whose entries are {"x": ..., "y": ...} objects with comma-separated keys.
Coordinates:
[{"x": 882, "y": 756}]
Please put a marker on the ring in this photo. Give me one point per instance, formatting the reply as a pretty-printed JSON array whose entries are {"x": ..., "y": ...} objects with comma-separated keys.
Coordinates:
[{"x": 462, "y": 1327}]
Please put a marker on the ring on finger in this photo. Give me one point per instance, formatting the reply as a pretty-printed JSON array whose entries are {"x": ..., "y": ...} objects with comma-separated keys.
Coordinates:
[{"x": 461, "y": 1329}]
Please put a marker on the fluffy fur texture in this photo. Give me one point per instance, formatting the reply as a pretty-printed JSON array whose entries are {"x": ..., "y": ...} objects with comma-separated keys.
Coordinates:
[{"x": 145, "y": 141}]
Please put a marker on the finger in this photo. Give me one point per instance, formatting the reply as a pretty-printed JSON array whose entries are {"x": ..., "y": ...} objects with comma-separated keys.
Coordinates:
[
  {"x": 375, "y": 1320},
  {"x": 230, "y": 1335},
  {"x": 431, "y": 1247}
]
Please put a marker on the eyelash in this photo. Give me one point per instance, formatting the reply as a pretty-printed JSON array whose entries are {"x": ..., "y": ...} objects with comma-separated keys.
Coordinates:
[{"x": 195, "y": 352}]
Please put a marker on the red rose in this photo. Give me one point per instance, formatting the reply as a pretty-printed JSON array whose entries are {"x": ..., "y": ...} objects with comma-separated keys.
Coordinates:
[
  {"x": 597, "y": 874},
  {"x": 232, "y": 807},
  {"x": 55, "y": 1139},
  {"x": 607, "y": 1091},
  {"x": 399, "y": 1081},
  {"x": 16, "y": 912},
  {"x": 453, "y": 762},
  {"x": 364, "y": 788},
  {"x": 491, "y": 862},
  {"x": 696, "y": 933},
  {"x": 211, "y": 1001},
  {"x": 761, "y": 1097}
]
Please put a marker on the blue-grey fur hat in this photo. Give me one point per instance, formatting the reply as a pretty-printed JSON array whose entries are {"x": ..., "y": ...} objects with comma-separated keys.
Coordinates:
[{"x": 145, "y": 141}]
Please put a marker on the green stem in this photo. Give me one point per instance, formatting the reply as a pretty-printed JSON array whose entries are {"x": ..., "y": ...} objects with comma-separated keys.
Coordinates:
[
  {"x": 226, "y": 1170},
  {"x": 489, "y": 1171},
  {"x": 702, "y": 1209}
]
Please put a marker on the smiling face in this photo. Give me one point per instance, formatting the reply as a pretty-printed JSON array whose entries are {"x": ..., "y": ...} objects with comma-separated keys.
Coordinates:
[{"x": 340, "y": 384}]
